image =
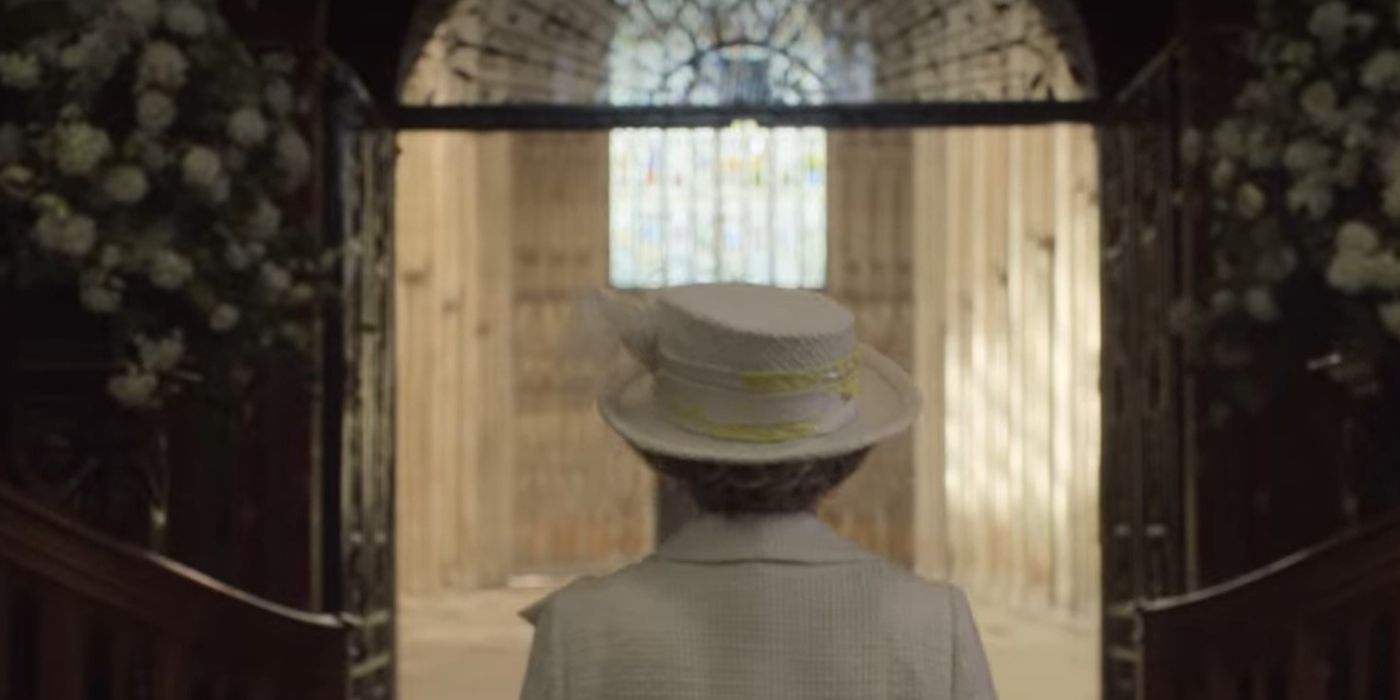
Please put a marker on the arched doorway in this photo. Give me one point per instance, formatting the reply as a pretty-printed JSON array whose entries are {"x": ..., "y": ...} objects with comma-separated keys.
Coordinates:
[{"x": 969, "y": 254}]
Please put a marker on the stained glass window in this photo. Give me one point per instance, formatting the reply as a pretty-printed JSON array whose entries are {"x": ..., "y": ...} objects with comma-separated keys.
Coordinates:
[{"x": 741, "y": 204}]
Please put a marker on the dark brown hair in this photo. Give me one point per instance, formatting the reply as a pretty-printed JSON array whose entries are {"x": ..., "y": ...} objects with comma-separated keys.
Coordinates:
[{"x": 737, "y": 489}]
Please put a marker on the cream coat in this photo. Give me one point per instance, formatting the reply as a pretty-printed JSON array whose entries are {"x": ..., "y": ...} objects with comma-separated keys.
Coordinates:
[{"x": 770, "y": 608}]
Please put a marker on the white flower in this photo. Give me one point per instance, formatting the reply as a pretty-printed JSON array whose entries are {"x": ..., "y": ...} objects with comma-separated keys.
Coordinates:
[
  {"x": 1347, "y": 273},
  {"x": 1390, "y": 162},
  {"x": 100, "y": 299},
  {"x": 162, "y": 65},
  {"x": 221, "y": 191},
  {"x": 293, "y": 159},
  {"x": 202, "y": 167},
  {"x": 279, "y": 97},
  {"x": 275, "y": 279},
  {"x": 1228, "y": 139},
  {"x": 111, "y": 257},
  {"x": 1348, "y": 170},
  {"x": 72, "y": 57},
  {"x": 1192, "y": 146},
  {"x": 223, "y": 319},
  {"x": 126, "y": 184},
  {"x": 1319, "y": 101},
  {"x": 74, "y": 236},
  {"x": 1330, "y": 22},
  {"x": 1383, "y": 272},
  {"x": 1299, "y": 54},
  {"x": 265, "y": 221},
  {"x": 1254, "y": 95},
  {"x": 237, "y": 257},
  {"x": 1260, "y": 304},
  {"x": 1224, "y": 301},
  {"x": 155, "y": 111},
  {"x": 134, "y": 388},
  {"x": 1306, "y": 155},
  {"x": 1382, "y": 72},
  {"x": 162, "y": 355},
  {"x": 1363, "y": 23},
  {"x": 280, "y": 62},
  {"x": 1312, "y": 196},
  {"x": 50, "y": 204},
  {"x": 81, "y": 53},
  {"x": 1278, "y": 265},
  {"x": 163, "y": 232},
  {"x": 1390, "y": 317},
  {"x": 11, "y": 144},
  {"x": 1250, "y": 201},
  {"x": 247, "y": 127},
  {"x": 1263, "y": 149},
  {"x": 297, "y": 336},
  {"x": 1357, "y": 238},
  {"x": 145, "y": 12},
  {"x": 79, "y": 148},
  {"x": 1358, "y": 138},
  {"x": 186, "y": 20},
  {"x": 301, "y": 293},
  {"x": 235, "y": 159},
  {"x": 169, "y": 270},
  {"x": 16, "y": 181},
  {"x": 150, "y": 152},
  {"x": 1360, "y": 110},
  {"x": 1223, "y": 175},
  {"x": 1390, "y": 200},
  {"x": 20, "y": 71}
]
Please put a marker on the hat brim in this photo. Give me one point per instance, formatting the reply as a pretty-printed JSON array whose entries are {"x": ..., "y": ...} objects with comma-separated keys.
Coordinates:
[{"x": 886, "y": 406}]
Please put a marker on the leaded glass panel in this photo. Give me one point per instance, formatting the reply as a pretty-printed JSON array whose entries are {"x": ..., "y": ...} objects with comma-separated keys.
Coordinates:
[{"x": 741, "y": 204}]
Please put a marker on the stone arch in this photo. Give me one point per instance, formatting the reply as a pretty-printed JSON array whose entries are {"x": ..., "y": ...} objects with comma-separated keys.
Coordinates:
[{"x": 919, "y": 50}]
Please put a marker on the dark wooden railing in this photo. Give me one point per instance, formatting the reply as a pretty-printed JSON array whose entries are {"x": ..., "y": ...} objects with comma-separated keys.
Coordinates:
[
  {"x": 1321, "y": 625},
  {"x": 86, "y": 617}
]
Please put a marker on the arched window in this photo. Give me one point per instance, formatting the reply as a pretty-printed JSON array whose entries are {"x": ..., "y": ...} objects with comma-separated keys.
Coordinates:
[{"x": 741, "y": 204}]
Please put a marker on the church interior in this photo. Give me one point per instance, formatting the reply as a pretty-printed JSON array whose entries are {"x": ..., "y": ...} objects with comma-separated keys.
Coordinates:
[{"x": 296, "y": 400}]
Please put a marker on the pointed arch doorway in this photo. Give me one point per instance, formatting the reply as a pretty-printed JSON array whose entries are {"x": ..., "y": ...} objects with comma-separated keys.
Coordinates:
[{"x": 970, "y": 253}]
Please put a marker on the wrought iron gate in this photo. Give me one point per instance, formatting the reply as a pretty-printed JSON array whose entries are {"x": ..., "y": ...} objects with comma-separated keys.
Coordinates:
[
  {"x": 1144, "y": 512},
  {"x": 359, "y": 415}
]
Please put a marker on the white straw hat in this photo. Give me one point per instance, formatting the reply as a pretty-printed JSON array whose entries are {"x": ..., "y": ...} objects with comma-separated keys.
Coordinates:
[{"x": 752, "y": 375}]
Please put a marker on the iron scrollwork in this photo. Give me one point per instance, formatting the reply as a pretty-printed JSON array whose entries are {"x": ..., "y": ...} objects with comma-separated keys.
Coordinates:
[
  {"x": 359, "y": 401},
  {"x": 1143, "y": 488}
]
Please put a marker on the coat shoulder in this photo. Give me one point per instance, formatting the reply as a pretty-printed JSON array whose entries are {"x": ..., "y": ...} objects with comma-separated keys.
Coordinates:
[{"x": 583, "y": 593}]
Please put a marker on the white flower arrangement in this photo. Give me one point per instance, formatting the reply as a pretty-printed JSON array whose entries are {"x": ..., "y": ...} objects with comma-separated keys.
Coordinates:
[
  {"x": 186, "y": 20},
  {"x": 145, "y": 162},
  {"x": 20, "y": 71},
  {"x": 1304, "y": 175},
  {"x": 155, "y": 111}
]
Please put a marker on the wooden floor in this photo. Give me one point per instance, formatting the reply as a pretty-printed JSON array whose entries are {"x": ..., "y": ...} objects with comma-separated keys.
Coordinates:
[{"x": 473, "y": 645}]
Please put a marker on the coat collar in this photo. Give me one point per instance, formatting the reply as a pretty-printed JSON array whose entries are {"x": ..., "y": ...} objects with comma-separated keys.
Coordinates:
[
  {"x": 796, "y": 538},
  {"x": 714, "y": 539}
]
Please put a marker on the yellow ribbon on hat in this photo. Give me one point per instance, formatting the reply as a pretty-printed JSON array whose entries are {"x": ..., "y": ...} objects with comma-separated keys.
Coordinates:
[
  {"x": 841, "y": 376},
  {"x": 694, "y": 420}
]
